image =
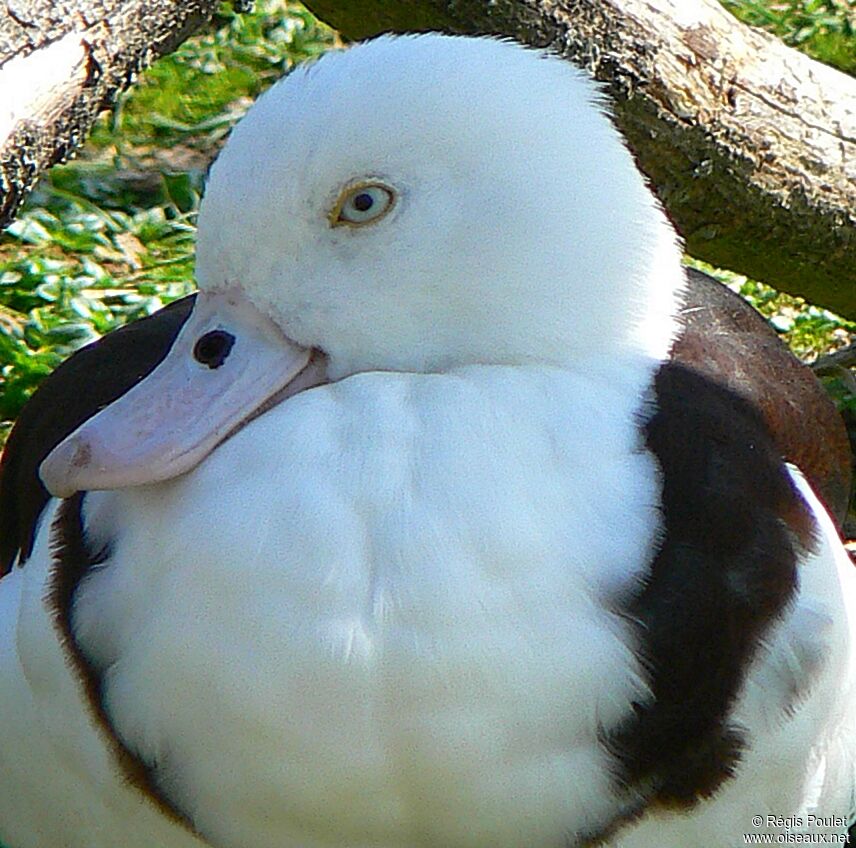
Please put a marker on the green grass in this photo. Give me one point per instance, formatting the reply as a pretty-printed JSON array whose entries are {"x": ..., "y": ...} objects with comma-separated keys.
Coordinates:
[
  {"x": 109, "y": 237},
  {"x": 825, "y": 29}
]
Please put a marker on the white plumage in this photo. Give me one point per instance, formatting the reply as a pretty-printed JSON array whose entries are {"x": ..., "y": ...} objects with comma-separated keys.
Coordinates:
[{"x": 386, "y": 612}]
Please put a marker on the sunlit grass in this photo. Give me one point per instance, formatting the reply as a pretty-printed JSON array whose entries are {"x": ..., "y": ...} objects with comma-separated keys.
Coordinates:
[{"x": 825, "y": 29}]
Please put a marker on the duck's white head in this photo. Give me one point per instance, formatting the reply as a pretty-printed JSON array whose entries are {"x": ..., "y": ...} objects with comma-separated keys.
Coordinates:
[{"x": 414, "y": 203}]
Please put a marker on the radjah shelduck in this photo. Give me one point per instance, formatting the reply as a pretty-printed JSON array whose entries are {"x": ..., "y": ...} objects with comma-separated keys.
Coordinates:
[{"x": 417, "y": 537}]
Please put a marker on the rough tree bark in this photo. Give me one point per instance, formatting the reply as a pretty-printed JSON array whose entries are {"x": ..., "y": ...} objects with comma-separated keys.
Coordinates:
[
  {"x": 751, "y": 146},
  {"x": 62, "y": 62}
]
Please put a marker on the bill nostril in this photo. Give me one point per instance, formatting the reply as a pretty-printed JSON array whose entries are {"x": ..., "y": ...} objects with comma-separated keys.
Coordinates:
[{"x": 213, "y": 348}]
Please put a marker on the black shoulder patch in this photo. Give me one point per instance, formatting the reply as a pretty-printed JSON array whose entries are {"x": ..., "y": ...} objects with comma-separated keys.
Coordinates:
[
  {"x": 733, "y": 529},
  {"x": 73, "y": 559}
]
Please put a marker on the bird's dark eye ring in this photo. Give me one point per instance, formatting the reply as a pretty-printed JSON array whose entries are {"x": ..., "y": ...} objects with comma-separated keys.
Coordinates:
[{"x": 213, "y": 348}]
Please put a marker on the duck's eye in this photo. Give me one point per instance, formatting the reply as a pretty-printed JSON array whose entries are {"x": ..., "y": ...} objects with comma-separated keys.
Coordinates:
[{"x": 362, "y": 204}]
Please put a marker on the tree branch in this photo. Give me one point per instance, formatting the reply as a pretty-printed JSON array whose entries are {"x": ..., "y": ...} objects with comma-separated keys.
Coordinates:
[{"x": 750, "y": 144}]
